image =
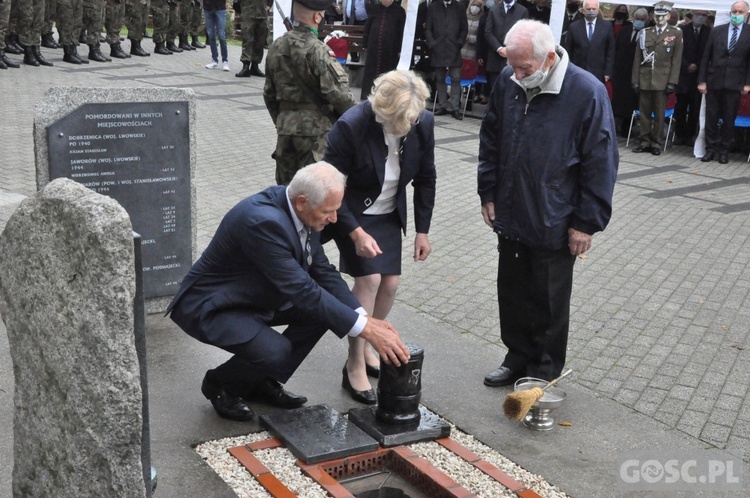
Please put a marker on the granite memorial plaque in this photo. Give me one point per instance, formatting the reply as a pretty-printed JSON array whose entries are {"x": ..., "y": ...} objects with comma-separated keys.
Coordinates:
[
  {"x": 318, "y": 433},
  {"x": 138, "y": 153},
  {"x": 427, "y": 428}
]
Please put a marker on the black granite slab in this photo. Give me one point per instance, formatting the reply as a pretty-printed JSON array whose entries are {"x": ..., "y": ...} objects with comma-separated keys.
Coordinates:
[
  {"x": 429, "y": 427},
  {"x": 318, "y": 433}
]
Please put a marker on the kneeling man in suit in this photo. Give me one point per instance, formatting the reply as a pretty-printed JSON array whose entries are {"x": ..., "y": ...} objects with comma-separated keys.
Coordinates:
[{"x": 264, "y": 267}]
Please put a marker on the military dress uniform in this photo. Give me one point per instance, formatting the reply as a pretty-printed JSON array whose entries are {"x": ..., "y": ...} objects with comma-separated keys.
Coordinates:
[
  {"x": 305, "y": 89},
  {"x": 656, "y": 71},
  {"x": 254, "y": 34}
]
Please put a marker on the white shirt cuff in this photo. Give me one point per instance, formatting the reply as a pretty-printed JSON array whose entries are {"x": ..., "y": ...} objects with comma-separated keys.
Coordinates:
[{"x": 359, "y": 325}]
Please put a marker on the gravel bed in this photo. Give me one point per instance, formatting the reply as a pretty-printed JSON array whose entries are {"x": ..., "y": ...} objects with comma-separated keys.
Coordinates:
[{"x": 281, "y": 463}]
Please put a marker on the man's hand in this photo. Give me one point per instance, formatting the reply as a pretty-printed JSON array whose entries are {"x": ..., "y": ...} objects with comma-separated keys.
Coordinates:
[
  {"x": 636, "y": 87},
  {"x": 501, "y": 52},
  {"x": 745, "y": 89},
  {"x": 488, "y": 213},
  {"x": 606, "y": 78},
  {"x": 422, "y": 247},
  {"x": 385, "y": 340},
  {"x": 702, "y": 88},
  {"x": 578, "y": 242},
  {"x": 365, "y": 245},
  {"x": 692, "y": 68}
]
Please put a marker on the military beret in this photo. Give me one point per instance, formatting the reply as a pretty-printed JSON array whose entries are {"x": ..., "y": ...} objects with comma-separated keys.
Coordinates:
[
  {"x": 315, "y": 4},
  {"x": 663, "y": 8}
]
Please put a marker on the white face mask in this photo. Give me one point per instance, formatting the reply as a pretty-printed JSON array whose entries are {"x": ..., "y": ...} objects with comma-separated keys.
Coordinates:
[
  {"x": 533, "y": 80},
  {"x": 474, "y": 9}
]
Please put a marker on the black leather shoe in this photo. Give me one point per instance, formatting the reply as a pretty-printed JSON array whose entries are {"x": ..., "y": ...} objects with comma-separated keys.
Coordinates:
[
  {"x": 656, "y": 151},
  {"x": 641, "y": 148},
  {"x": 270, "y": 392},
  {"x": 372, "y": 371},
  {"x": 226, "y": 405},
  {"x": 502, "y": 376},
  {"x": 441, "y": 112},
  {"x": 367, "y": 397},
  {"x": 255, "y": 70},
  {"x": 457, "y": 115},
  {"x": 245, "y": 71},
  {"x": 708, "y": 157},
  {"x": 723, "y": 158}
]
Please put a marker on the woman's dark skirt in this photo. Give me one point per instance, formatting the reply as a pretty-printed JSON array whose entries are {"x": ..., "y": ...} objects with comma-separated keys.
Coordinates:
[{"x": 386, "y": 230}]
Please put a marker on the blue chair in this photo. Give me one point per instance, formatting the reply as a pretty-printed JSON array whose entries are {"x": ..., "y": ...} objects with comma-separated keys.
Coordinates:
[
  {"x": 742, "y": 122},
  {"x": 668, "y": 114},
  {"x": 467, "y": 85}
]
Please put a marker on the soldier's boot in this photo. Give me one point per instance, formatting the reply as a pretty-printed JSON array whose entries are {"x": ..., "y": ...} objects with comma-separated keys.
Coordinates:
[
  {"x": 8, "y": 62},
  {"x": 197, "y": 43},
  {"x": 161, "y": 49},
  {"x": 116, "y": 51},
  {"x": 173, "y": 48},
  {"x": 69, "y": 55},
  {"x": 28, "y": 56},
  {"x": 245, "y": 71},
  {"x": 48, "y": 41},
  {"x": 74, "y": 49},
  {"x": 184, "y": 45},
  {"x": 12, "y": 46},
  {"x": 37, "y": 51},
  {"x": 255, "y": 70},
  {"x": 135, "y": 49},
  {"x": 95, "y": 54}
]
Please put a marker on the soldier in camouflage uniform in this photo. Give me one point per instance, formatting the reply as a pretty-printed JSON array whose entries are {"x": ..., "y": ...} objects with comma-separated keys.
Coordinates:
[
  {"x": 30, "y": 20},
  {"x": 113, "y": 20},
  {"x": 160, "y": 17},
  {"x": 50, "y": 11},
  {"x": 306, "y": 90},
  {"x": 69, "y": 20},
  {"x": 93, "y": 14},
  {"x": 195, "y": 24},
  {"x": 11, "y": 39},
  {"x": 5, "y": 63},
  {"x": 174, "y": 25},
  {"x": 136, "y": 15},
  {"x": 186, "y": 14},
  {"x": 254, "y": 34}
]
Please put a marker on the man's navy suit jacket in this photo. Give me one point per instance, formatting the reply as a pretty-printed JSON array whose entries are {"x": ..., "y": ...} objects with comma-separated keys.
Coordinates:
[
  {"x": 596, "y": 56},
  {"x": 255, "y": 266},
  {"x": 722, "y": 70}
]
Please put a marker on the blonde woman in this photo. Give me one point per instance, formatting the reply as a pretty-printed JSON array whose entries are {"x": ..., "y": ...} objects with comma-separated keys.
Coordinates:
[{"x": 381, "y": 144}]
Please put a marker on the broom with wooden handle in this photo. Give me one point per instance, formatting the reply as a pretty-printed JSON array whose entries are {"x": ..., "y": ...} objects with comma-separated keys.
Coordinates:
[{"x": 517, "y": 404}]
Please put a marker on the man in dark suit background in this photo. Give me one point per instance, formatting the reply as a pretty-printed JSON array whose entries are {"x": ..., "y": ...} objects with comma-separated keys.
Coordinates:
[
  {"x": 687, "y": 108},
  {"x": 500, "y": 19},
  {"x": 590, "y": 42},
  {"x": 445, "y": 30},
  {"x": 265, "y": 267},
  {"x": 724, "y": 75},
  {"x": 572, "y": 13}
]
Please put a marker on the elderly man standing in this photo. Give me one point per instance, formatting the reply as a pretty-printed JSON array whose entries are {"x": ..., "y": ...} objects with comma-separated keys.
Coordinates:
[
  {"x": 545, "y": 190},
  {"x": 656, "y": 72},
  {"x": 590, "y": 42},
  {"x": 445, "y": 31},
  {"x": 723, "y": 76}
]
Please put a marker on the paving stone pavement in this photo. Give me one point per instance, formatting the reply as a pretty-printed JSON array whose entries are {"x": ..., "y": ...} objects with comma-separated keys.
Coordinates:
[{"x": 660, "y": 309}]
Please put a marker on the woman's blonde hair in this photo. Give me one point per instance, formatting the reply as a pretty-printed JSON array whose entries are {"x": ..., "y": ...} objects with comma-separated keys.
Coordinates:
[{"x": 397, "y": 98}]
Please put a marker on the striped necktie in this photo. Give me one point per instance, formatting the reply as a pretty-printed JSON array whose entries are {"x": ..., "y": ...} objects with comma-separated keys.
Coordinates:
[{"x": 733, "y": 40}]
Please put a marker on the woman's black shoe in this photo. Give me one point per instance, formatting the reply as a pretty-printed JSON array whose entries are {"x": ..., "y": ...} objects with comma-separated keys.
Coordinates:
[
  {"x": 367, "y": 397},
  {"x": 372, "y": 371}
]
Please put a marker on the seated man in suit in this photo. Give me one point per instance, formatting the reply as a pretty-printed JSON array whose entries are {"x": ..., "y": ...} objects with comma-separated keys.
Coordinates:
[
  {"x": 590, "y": 43},
  {"x": 265, "y": 267},
  {"x": 723, "y": 75}
]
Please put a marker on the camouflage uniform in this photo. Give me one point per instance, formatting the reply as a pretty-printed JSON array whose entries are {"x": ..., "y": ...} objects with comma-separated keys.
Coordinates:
[
  {"x": 69, "y": 20},
  {"x": 254, "y": 30},
  {"x": 30, "y": 20},
  {"x": 113, "y": 20},
  {"x": 300, "y": 124},
  {"x": 160, "y": 12},
  {"x": 50, "y": 11},
  {"x": 196, "y": 20},
  {"x": 4, "y": 21},
  {"x": 174, "y": 21},
  {"x": 136, "y": 15},
  {"x": 93, "y": 11}
]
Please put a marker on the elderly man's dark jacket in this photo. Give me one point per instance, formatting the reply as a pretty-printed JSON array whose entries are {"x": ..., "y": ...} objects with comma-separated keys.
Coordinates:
[
  {"x": 445, "y": 31},
  {"x": 550, "y": 163},
  {"x": 720, "y": 69},
  {"x": 255, "y": 265},
  {"x": 356, "y": 146},
  {"x": 497, "y": 26},
  {"x": 597, "y": 55}
]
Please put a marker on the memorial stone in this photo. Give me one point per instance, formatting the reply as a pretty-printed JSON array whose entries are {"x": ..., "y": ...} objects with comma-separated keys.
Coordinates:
[
  {"x": 67, "y": 290},
  {"x": 138, "y": 147}
]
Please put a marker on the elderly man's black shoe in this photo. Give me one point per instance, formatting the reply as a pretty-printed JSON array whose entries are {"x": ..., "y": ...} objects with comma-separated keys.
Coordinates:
[
  {"x": 441, "y": 112},
  {"x": 708, "y": 157},
  {"x": 723, "y": 158},
  {"x": 226, "y": 405},
  {"x": 367, "y": 397},
  {"x": 457, "y": 115},
  {"x": 656, "y": 151},
  {"x": 502, "y": 376},
  {"x": 270, "y": 392}
]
